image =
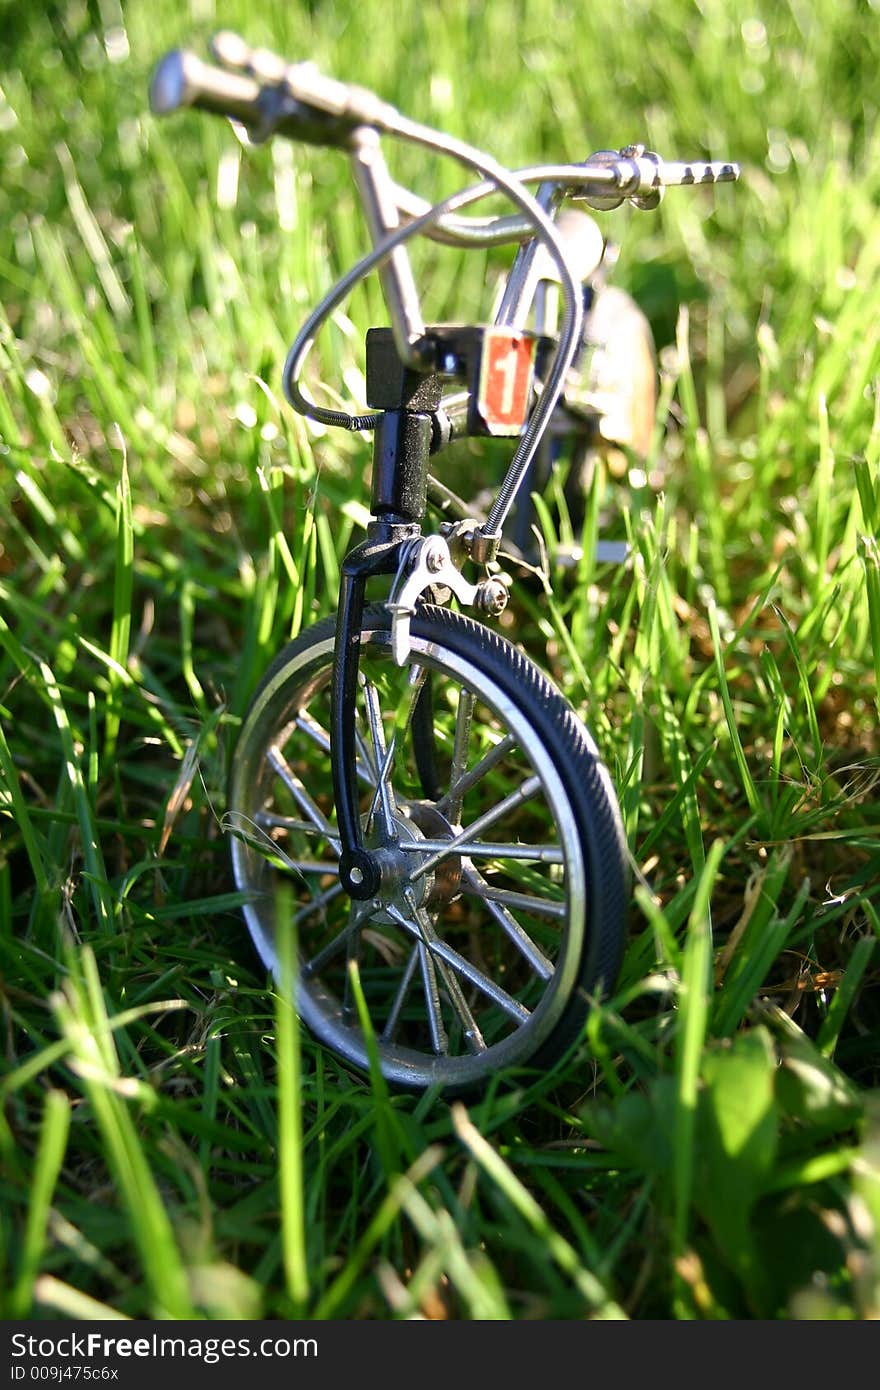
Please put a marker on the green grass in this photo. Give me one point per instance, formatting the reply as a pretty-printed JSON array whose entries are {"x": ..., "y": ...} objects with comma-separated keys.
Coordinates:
[{"x": 168, "y": 1143}]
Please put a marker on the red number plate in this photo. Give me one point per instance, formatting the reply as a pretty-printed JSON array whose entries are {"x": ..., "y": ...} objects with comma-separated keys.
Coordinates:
[{"x": 505, "y": 380}]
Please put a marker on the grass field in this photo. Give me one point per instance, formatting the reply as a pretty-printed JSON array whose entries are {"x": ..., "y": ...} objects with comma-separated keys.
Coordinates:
[{"x": 168, "y": 1146}]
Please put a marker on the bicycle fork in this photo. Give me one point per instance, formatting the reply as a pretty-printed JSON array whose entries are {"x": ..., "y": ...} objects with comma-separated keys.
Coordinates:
[
  {"x": 401, "y": 447},
  {"x": 408, "y": 430},
  {"x": 359, "y": 871}
]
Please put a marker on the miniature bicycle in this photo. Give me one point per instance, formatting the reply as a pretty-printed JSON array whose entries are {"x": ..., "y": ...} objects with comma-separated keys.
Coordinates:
[{"x": 409, "y": 792}]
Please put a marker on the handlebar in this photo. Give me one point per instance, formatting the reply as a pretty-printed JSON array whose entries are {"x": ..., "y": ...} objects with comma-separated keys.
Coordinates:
[
  {"x": 266, "y": 108},
  {"x": 182, "y": 79},
  {"x": 270, "y": 96}
]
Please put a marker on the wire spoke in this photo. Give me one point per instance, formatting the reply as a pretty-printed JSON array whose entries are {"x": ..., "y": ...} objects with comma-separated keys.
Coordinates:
[
  {"x": 328, "y": 952},
  {"x": 543, "y": 968},
  {"x": 516, "y": 798},
  {"x": 270, "y": 850},
  {"x": 385, "y": 755},
  {"x": 353, "y": 957},
  {"x": 301, "y": 796},
  {"x": 309, "y": 725},
  {"x": 524, "y": 902},
  {"x": 368, "y": 770},
  {"x": 318, "y": 903},
  {"x": 439, "y": 1040},
  {"x": 310, "y": 866},
  {"x": 481, "y": 849},
  {"x": 392, "y": 1023},
  {"x": 512, "y": 1007},
  {"x": 384, "y": 759},
  {"x": 459, "y": 788},
  {"x": 337, "y": 943},
  {"x": 421, "y": 927},
  {"x": 463, "y": 717},
  {"x": 474, "y": 1040}
]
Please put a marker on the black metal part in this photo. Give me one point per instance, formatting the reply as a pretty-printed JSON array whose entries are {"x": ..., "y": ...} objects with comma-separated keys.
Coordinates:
[
  {"x": 283, "y": 115},
  {"x": 404, "y": 432},
  {"x": 401, "y": 446},
  {"x": 393, "y": 386},
  {"x": 442, "y": 430},
  {"x": 456, "y": 351},
  {"x": 384, "y": 530},
  {"x": 359, "y": 871},
  {"x": 424, "y": 746}
]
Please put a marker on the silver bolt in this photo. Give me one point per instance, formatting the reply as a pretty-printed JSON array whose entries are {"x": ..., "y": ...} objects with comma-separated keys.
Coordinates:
[
  {"x": 435, "y": 557},
  {"x": 357, "y": 876},
  {"x": 492, "y": 597}
]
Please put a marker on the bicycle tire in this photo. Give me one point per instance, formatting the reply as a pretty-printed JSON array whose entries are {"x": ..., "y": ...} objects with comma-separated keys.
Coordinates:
[{"x": 485, "y": 992}]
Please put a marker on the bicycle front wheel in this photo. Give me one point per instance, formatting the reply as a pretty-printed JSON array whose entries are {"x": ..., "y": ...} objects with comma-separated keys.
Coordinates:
[{"x": 501, "y": 910}]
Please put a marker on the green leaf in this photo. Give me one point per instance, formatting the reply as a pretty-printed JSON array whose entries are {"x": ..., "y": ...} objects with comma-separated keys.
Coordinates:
[
  {"x": 813, "y": 1091},
  {"x": 737, "y": 1139},
  {"x": 637, "y": 1128}
]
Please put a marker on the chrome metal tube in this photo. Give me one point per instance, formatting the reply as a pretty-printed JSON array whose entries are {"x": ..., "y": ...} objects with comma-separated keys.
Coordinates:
[{"x": 377, "y": 191}]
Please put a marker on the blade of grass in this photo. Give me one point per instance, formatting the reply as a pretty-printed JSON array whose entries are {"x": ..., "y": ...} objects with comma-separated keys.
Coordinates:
[
  {"x": 844, "y": 995},
  {"x": 123, "y": 583},
  {"x": 290, "y": 1139},
  {"x": 47, "y": 1166},
  {"x": 83, "y": 1019},
  {"x": 380, "y": 1224},
  {"x": 69, "y": 1302},
  {"x": 693, "y": 1018},
  {"x": 470, "y": 1274},
  {"x": 388, "y": 1137},
  {"x": 807, "y": 701},
  {"x": 565, "y": 1256},
  {"x": 21, "y": 816},
  {"x": 758, "y": 955},
  {"x": 746, "y": 778},
  {"x": 96, "y": 873}
]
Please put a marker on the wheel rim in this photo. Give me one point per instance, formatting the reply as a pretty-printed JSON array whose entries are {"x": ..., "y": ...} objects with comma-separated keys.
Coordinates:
[{"x": 470, "y": 952}]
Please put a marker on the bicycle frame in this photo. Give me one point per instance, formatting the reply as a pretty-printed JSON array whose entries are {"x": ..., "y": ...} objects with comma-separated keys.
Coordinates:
[
  {"x": 510, "y": 380},
  {"x": 406, "y": 433}
]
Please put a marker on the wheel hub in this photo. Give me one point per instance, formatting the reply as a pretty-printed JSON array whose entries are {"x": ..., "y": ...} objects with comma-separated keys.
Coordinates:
[
  {"x": 397, "y": 889},
  {"x": 446, "y": 878}
]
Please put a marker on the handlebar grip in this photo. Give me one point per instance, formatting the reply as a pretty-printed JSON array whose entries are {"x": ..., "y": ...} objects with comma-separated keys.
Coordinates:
[
  {"x": 269, "y": 96},
  {"x": 303, "y": 83},
  {"x": 183, "y": 80}
]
